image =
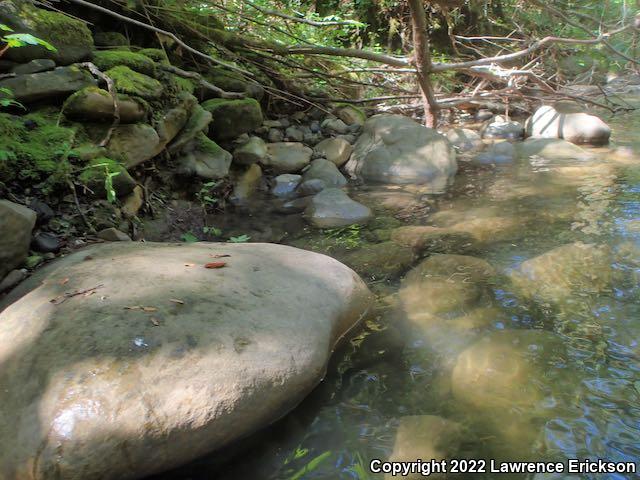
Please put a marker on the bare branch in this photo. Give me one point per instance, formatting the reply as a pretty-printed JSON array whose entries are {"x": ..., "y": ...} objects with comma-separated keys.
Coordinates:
[{"x": 306, "y": 21}]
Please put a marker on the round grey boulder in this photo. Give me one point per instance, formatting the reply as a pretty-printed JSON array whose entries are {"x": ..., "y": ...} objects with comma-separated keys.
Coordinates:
[
  {"x": 162, "y": 360},
  {"x": 394, "y": 149}
]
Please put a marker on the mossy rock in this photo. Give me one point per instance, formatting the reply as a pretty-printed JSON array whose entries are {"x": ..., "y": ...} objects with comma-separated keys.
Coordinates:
[
  {"x": 95, "y": 173},
  {"x": 350, "y": 114},
  {"x": 133, "y": 83},
  {"x": 34, "y": 149},
  {"x": 134, "y": 144},
  {"x": 231, "y": 82},
  {"x": 180, "y": 84},
  {"x": 205, "y": 159},
  {"x": 232, "y": 118},
  {"x": 50, "y": 86},
  {"x": 108, "y": 59},
  {"x": 96, "y": 105},
  {"x": 71, "y": 38},
  {"x": 156, "y": 54},
  {"x": 110, "y": 39}
]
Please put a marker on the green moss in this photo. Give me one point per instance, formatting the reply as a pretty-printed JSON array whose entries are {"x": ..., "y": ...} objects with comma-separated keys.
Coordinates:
[
  {"x": 109, "y": 59},
  {"x": 72, "y": 38},
  {"x": 133, "y": 83},
  {"x": 207, "y": 146},
  {"x": 226, "y": 79},
  {"x": 33, "y": 149},
  {"x": 179, "y": 84},
  {"x": 156, "y": 54},
  {"x": 232, "y": 118},
  {"x": 111, "y": 39}
]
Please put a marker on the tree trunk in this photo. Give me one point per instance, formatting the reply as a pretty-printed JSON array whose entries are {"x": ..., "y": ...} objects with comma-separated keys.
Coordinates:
[{"x": 422, "y": 60}]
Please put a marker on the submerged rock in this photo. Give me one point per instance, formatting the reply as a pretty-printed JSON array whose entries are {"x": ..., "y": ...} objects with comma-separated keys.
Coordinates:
[
  {"x": 52, "y": 85},
  {"x": 333, "y": 208},
  {"x": 396, "y": 149},
  {"x": 16, "y": 224},
  {"x": 446, "y": 284},
  {"x": 502, "y": 152},
  {"x": 426, "y": 437},
  {"x": 169, "y": 379},
  {"x": 579, "y": 128},
  {"x": 506, "y": 369},
  {"x": 558, "y": 274},
  {"x": 380, "y": 261},
  {"x": 424, "y": 239}
]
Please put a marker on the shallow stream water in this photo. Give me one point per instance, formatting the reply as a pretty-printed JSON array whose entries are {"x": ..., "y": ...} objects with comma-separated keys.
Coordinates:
[{"x": 566, "y": 387}]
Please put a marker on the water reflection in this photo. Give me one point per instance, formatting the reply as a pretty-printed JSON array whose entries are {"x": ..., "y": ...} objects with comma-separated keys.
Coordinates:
[{"x": 529, "y": 349}]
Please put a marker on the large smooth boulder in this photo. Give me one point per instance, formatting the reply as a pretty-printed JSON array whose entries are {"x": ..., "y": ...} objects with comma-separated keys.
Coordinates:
[
  {"x": 573, "y": 269},
  {"x": 287, "y": 157},
  {"x": 333, "y": 208},
  {"x": 94, "y": 104},
  {"x": 321, "y": 169},
  {"x": 134, "y": 144},
  {"x": 52, "y": 85},
  {"x": 575, "y": 127},
  {"x": 168, "y": 360},
  {"x": 16, "y": 224},
  {"x": 232, "y": 118},
  {"x": 395, "y": 149}
]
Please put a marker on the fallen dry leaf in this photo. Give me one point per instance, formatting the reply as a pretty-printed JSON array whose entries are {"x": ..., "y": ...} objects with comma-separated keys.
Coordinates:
[
  {"x": 149, "y": 309},
  {"x": 215, "y": 265},
  {"x": 65, "y": 281},
  {"x": 135, "y": 307},
  {"x": 219, "y": 255},
  {"x": 175, "y": 300},
  {"x": 189, "y": 264},
  {"x": 155, "y": 321}
]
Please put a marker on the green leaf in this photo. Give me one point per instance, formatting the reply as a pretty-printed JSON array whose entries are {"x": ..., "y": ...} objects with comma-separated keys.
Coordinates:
[
  {"x": 240, "y": 239},
  {"x": 311, "y": 466},
  {"x": 23, "y": 39},
  {"x": 5, "y": 28},
  {"x": 189, "y": 237}
]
